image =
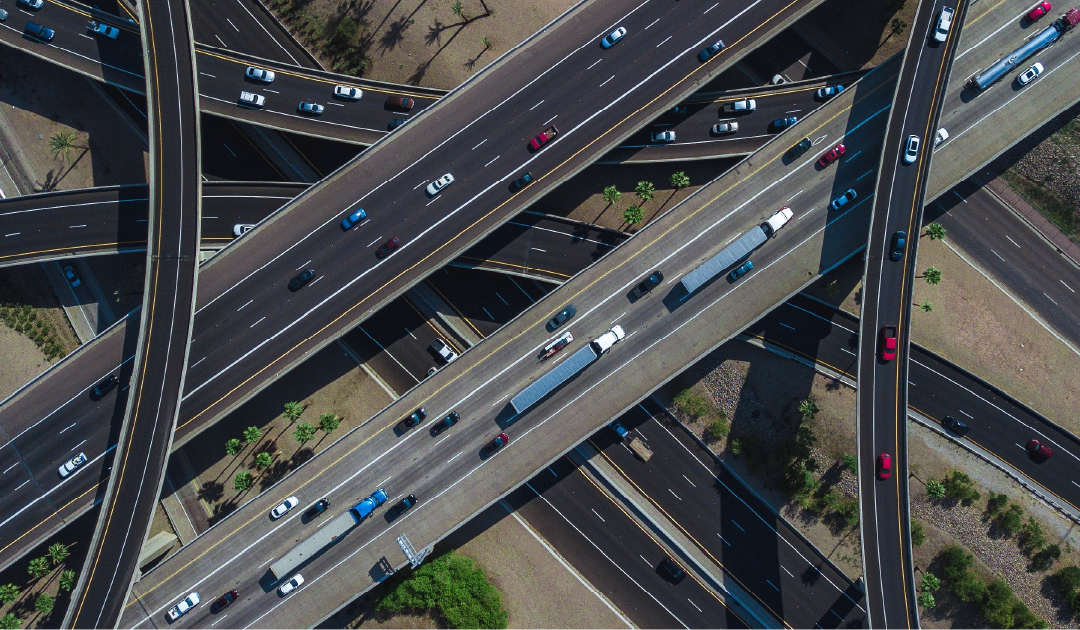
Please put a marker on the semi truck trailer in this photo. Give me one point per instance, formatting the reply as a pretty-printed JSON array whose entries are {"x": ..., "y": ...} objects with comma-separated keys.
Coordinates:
[
  {"x": 732, "y": 254},
  {"x": 568, "y": 368},
  {"x": 1047, "y": 36},
  {"x": 326, "y": 535}
]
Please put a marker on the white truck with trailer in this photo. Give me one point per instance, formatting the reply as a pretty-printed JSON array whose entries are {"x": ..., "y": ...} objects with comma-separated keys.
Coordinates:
[
  {"x": 568, "y": 368},
  {"x": 326, "y": 535},
  {"x": 732, "y": 254}
]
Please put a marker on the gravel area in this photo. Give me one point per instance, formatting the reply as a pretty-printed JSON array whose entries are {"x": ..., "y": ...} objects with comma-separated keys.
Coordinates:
[{"x": 1053, "y": 162}]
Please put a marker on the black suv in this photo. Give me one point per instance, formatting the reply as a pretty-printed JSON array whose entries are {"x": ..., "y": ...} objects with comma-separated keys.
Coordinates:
[
  {"x": 413, "y": 419},
  {"x": 671, "y": 571},
  {"x": 317, "y": 509},
  {"x": 104, "y": 387},
  {"x": 563, "y": 316},
  {"x": 797, "y": 150},
  {"x": 521, "y": 182},
  {"x": 301, "y": 279},
  {"x": 954, "y": 425},
  {"x": 899, "y": 242},
  {"x": 648, "y": 284}
]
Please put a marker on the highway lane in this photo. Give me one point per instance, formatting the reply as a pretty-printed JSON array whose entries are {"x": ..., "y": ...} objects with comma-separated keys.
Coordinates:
[
  {"x": 731, "y": 525},
  {"x": 221, "y": 75},
  {"x": 807, "y": 328},
  {"x": 663, "y": 333},
  {"x": 248, "y": 27},
  {"x": 887, "y": 287},
  {"x": 161, "y": 353},
  {"x": 1007, "y": 248},
  {"x": 484, "y": 299},
  {"x": 614, "y": 553},
  {"x": 231, "y": 323}
]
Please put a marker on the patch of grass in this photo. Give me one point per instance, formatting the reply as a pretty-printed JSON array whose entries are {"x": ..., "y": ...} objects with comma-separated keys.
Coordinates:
[
  {"x": 451, "y": 586},
  {"x": 1053, "y": 207},
  {"x": 24, "y": 319}
]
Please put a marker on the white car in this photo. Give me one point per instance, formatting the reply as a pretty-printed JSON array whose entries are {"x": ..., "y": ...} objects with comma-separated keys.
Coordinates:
[
  {"x": 829, "y": 92},
  {"x": 183, "y": 606},
  {"x": 444, "y": 350},
  {"x": 259, "y": 74},
  {"x": 70, "y": 465},
  {"x": 940, "y": 136},
  {"x": 911, "y": 149},
  {"x": 102, "y": 28},
  {"x": 663, "y": 136},
  {"x": 1027, "y": 76},
  {"x": 313, "y": 109},
  {"x": 843, "y": 199},
  {"x": 744, "y": 106},
  {"x": 72, "y": 279},
  {"x": 251, "y": 99},
  {"x": 724, "y": 128},
  {"x": 291, "y": 585},
  {"x": 281, "y": 509},
  {"x": 941, "y": 33},
  {"x": 348, "y": 93},
  {"x": 241, "y": 229},
  {"x": 613, "y": 37},
  {"x": 434, "y": 187}
]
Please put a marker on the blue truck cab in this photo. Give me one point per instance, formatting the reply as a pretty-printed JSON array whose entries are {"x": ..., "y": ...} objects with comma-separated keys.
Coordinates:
[{"x": 364, "y": 508}]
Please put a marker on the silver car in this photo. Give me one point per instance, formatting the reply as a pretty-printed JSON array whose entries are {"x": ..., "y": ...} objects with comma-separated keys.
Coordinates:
[
  {"x": 1027, "y": 76},
  {"x": 251, "y": 99},
  {"x": 724, "y": 128},
  {"x": 259, "y": 74},
  {"x": 348, "y": 93},
  {"x": 70, "y": 465},
  {"x": 281, "y": 509},
  {"x": 444, "y": 350},
  {"x": 434, "y": 187},
  {"x": 313, "y": 109},
  {"x": 663, "y": 136},
  {"x": 911, "y": 150},
  {"x": 843, "y": 199}
]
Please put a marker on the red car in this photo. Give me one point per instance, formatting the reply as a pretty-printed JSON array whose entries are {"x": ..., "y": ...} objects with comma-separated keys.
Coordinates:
[
  {"x": 884, "y": 466},
  {"x": 1036, "y": 448},
  {"x": 386, "y": 248},
  {"x": 888, "y": 342},
  {"x": 500, "y": 441},
  {"x": 223, "y": 602},
  {"x": 545, "y": 136},
  {"x": 832, "y": 155},
  {"x": 1040, "y": 10}
]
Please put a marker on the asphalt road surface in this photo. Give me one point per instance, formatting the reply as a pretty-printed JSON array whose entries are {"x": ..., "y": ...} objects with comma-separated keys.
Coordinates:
[
  {"x": 448, "y": 473},
  {"x": 882, "y": 400},
  {"x": 248, "y": 27},
  {"x": 153, "y": 401},
  {"x": 731, "y": 525}
]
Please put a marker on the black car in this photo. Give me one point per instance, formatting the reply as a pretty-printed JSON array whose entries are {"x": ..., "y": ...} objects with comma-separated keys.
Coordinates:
[
  {"x": 671, "y": 571},
  {"x": 797, "y": 150},
  {"x": 301, "y": 279},
  {"x": 397, "y": 122},
  {"x": 402, "y": 506},
  {"x": 648, "y": 284},
  {"x": 899, "y": 242},
  {"x": 317, "y": 509},
  {"x": 104, "y": 387},
  {"x": 954, "y": 425},
  {"x": 445, "y": 423},
  {"x": 563, "y": 316},
  {"x": 413, "y": 419},
  {"x": 521, "y": 182}
]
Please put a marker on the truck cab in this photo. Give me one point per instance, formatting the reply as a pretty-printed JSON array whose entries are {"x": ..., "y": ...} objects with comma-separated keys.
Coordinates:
[
  {"x": 777, "y": 221},
  {"x": 604, "y": 342},
  {"x": 364, "y": 508}
]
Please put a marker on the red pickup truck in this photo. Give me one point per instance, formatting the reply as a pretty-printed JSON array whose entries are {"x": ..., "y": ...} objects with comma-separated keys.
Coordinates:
[{"x": 546, "y": 136}]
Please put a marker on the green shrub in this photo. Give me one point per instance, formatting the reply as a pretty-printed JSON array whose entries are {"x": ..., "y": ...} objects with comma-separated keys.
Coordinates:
[
  {"x": 692, "y": 404},
  {"x": 997, "y": 604},
  {"x": 735, "y": 446},
  {"x": 930, "y": 582},
  {"x": 926, "y": 600},
  {"x": 264, "y": 460},
  {"x": 9, "y": 593},
  {"x": 329, "y": 422},
  {"x": 304, "y": 432},
  {"x": 996, "y": 503},
  {"x": 852, "y": 463},
  {"x": 10, "y": 622},
  {"x": 243, "y": 481},
  {"x": 935, "y": 489},
  {"x": 233, "y": 446},
  {"x": 67, "y": 580},
  {"x": 969, "y": 588},
  {"x": 452, "y": 586},
  {"x": 44, "y": 603},
  {"x": 38, "y": 568},
  {"x": 1032, "y": 539},
  {"x": 1012, "y": 519},
  {"x": 960, "y": 487},
  {"x": 1046, "y": 558},
  {"x": 1067, "y": 581},
  {"x": 918, "y": 536},
  {"x": 717, "y": 429}
]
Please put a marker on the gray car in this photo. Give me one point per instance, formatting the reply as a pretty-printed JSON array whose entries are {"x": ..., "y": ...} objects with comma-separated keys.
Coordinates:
[{"x": 313, "y": 109}]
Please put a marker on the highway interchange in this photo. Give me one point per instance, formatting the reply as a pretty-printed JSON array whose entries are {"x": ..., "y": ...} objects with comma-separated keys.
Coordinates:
[{"x": 873, "y": 154}]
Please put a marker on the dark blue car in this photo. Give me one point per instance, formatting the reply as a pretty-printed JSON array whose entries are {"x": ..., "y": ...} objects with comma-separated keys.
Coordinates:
[
  {"x": 353, "y": 219},
  {"x": 707, "y": 54},
  {"x": 783, "y": 123}
]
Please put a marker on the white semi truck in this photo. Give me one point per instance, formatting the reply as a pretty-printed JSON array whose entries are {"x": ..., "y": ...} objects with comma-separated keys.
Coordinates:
[
  {"x": 562, "y": 372},
  {"x": 732, "y": 254}
]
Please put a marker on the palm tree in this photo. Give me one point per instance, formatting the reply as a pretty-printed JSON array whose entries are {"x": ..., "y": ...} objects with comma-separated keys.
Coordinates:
[
  {"x": 459, "y": 10},
  {"x": 293, "y": 411},
  {"x": 8, "y": 593},
  {"x": 809, "y": 407},
  {"x": 645, "y": 191},
  {"x": 243, "y": 481},
  {"x": 488, "y": 44},
  {"x": 679, "y": 180},
  {"x": 252, "y": 435},
  {"x": 612, "y": 195},
  {"x": 634, "y": 215},
  {"x": 233, "y": 446},
  {"x": 67, "y": 580},
  {"x": 935, "y": 231},
  {"x": 932, "y": 275},
  {"x": 897, "y": 26},
  {"x": 263, "y": 460},
  {"x": 58, "y": 552},
  {"x": 304, "y": 432},
  {"x": 926, "y": 307},
  {"x": 44, "y": 603},
  {"x": 10, "y": 622},
  {"x": 38, "y": 568},
  {"x": 63, "y": 143},
  {"x": 329, "y": 422}
]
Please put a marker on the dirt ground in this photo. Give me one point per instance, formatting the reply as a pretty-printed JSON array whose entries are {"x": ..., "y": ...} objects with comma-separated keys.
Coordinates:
[
  {"x": 772, "y": 391},
  {"x": 932, "y": 457},
  {"x": 1022, "y": 358},
  {"x": 581, "y": 197},
  {"x": 37, "y": 103},
  {"x": 22, "y": 361},
  {"x": 330, "y": 381},
  {"x": 859, "y": 35},
  {"x": 515, "y": 562},
  {"x": 423, "y": 42},
  {"x": 21, "y": 358}
]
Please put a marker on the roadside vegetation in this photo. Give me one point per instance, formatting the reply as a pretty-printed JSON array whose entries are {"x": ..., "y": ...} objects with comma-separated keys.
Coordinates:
[
  {"x": 33, "y": 600},
  {"x": 451, "y": 587},
  {"x": 1047, "y": 175}
]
